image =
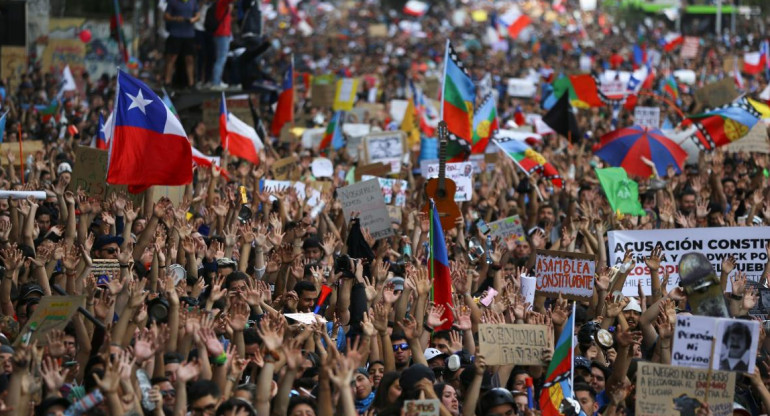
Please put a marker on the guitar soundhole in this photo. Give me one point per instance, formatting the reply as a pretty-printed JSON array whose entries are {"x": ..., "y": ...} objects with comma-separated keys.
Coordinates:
[{"x": 440, "y": 193}]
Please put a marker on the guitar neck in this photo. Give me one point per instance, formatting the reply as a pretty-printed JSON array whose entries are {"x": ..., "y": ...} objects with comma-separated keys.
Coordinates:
[{"x": 442, "y": 154}]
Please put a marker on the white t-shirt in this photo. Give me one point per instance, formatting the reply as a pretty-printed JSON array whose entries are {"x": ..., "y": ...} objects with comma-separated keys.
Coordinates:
[{"x": 199, "y": 24}]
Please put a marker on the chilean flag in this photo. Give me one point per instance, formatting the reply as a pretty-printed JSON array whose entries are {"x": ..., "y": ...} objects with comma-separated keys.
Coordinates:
[
  {"x": 284, "y": 111},
  {"x": 754, "y": 62},
  {"x": 149, "y": 145},
  {"x": 514, "y": 21},
  {"x": 671, "y": 40},
  {"x": 442, "y": 282},
  {"x": 200, "y": 159},
  {"x": 240, "y": 139},
  {"x": 415, "y": 8},
  {"x": 100, "y": 141}
]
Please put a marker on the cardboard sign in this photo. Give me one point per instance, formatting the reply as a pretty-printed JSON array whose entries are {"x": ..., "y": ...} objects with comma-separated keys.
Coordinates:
[
  {"x": 366, "y": 198},
  {"x": 568, "y": 274},
  {"x": 375, "y": 169},
  {"x": 518, "y": 344},
  {"x": 90, "y": 173},
  {"x": 393, "y": 190},
  {"x": 322, "y": 95},
  {"x": 13, "y": 62},
  {"x": 378, "y": 30},
  {"x": 693, "y": 336},
  {"x": 665, "y": 390},
  {"x": 426, "y": 407},
  {"x": 29, "y": 146},
  {"x": 747, "y": 244},
  {"x": 508, "y": 227},
  {"x": 52, "y": 313},
  {"x": 647, "y": 116},
  {"x": 716, "y": 94},
  {"x": 461, "y": 173},
  {"x": 237, "y": 107},
  {"x": 735, "y": 345},
  {"x": 386, "y": 147},
  {"x": 283, "y": 168}
]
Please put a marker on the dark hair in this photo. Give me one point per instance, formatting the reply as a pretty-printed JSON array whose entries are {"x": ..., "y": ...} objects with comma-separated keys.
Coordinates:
[
  {"x": 304, "y": 286},
  {"x": 298, "y": 400},
  {"x": 202, "y": 388},
  {"x": 740, "y": 329},
  {"x": 585, "y": 387},
  {"x": 439, "y": 389},
  {"x": 158, "y": 380},
  {"x": 235, "y": 403},
  {"x": 397, "y": 336},
  {"x": 250, "y": 336},
  {"x": 235, "y": 277},
  {"x": 441, "y": 335},
  {"x": 381, "y": 396}
]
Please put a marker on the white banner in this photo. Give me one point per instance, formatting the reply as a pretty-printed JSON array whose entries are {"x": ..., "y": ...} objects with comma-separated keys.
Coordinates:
[
  {"x": 746, "y": 244},
  {"x": 461, "y": 173}
]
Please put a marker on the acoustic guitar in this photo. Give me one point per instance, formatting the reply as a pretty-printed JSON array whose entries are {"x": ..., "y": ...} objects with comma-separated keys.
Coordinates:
[{"x": 441, "y": 189}]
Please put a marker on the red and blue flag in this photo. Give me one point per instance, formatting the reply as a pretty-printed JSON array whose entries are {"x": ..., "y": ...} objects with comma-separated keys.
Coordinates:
[
  {"x": 284, "y": 111},
  {"x": 149, "y": 145},
  {"x": 100, "y": 141},
  {"x": 442, "y": 281}
]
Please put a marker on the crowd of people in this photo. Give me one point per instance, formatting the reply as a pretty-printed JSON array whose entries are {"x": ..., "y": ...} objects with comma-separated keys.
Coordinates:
[{"x": 197, "y": 320}]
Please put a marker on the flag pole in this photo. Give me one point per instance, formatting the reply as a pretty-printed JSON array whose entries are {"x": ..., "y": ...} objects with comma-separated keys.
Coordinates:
[
  {"x": 432, "y": 255},
  {"x": 21, "y": 155},
  {"x": 443, "y": 81},
  {"x": 572, "y": 348}
]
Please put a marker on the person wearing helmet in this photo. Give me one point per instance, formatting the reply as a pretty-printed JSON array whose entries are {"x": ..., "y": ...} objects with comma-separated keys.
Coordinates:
[{"x": 497, "y": 402}]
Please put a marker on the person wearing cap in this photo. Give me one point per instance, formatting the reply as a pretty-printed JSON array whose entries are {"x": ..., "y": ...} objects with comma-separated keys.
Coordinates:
[
  {"x": 582, "y": 368},
  {"x": 497, "y": 402},
  {"x": 632, "y": 312},
  {"x": 107, "y": 247},
  {"x": 225, "y": 266},
  {"x": 435, "y": 358}
]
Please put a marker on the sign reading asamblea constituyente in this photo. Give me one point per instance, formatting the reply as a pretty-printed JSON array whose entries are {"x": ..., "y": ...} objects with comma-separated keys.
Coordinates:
[{"x": 570, "y": 275}]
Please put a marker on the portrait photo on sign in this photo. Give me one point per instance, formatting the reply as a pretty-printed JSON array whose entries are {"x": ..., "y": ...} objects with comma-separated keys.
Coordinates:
[
  {"x": 384, "y": 147},
  {"x": 735, "y": 346}
]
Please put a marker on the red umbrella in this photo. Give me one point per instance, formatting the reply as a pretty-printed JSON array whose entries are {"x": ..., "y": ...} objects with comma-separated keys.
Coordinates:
[{"x": 627, "y": 146}]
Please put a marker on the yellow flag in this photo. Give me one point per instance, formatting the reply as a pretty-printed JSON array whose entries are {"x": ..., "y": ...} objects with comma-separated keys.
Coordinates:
[{"x": 409, "y": 126}]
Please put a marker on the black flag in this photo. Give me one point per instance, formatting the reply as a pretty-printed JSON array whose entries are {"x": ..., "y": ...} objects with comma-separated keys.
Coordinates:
[{"x": 562, "y": 120}]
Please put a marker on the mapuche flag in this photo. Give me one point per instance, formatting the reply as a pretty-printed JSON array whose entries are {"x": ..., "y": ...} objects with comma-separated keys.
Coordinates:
[
  {"x": 558, "y": 378},
  {"x": 457, "y": 101}
]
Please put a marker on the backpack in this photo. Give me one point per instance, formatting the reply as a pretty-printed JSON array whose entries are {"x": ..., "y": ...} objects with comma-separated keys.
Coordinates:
[{"x": 210, "y": 22}]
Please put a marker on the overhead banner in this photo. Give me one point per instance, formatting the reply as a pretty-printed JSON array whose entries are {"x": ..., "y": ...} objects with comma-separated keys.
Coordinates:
[{"x": 746, "y": 244}]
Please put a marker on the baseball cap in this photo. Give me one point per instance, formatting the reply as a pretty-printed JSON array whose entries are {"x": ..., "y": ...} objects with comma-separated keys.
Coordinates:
[
  {"x": 583, "y": 362},
  {"x": 30, "y": 288},
  {"x": 398, "y": 282},
  {"x": 226, "y": 262},
  {"x": 63, "y": 167},
  {"x": 633, "y": 305},
  {"x": 431, "y": 353},
  {"x": 104, "y": 240}
]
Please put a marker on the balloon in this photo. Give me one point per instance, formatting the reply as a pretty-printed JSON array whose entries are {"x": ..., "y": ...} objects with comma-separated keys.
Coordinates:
[{"x": 85, "y": 35}]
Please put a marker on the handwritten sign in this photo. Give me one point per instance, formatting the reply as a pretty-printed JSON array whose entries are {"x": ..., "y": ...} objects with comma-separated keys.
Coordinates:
[
  {"x": 665, "y": 390},
  {"x": 508, "y": 227},
  {"x": 518, "y": 344},
  {"x": 13, "y": 62},
  {"x": 693, "y": 336},
  {"x": 366, "y": 198},
  {"x": 460, "y": 173},
  {"x": 428, "y": 407},
  {"x": 59, "y": 53},
  {"x": 30, "y": 147},
  {"x": 90, "y": 173},
  {"x": 52, "y": 313},
  {"x": 393, "y": 190},
  {"x": 568, "y": 274},
  {"x": 283, "y": 168},
  {"x": 647, "y": 116},
  {"x": 387, "y": 147}
]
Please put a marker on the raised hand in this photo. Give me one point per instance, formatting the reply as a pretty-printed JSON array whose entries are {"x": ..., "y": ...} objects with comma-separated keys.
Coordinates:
[
  {"x": 52, "y": 374},
  {"x": 188, "y": 371},
  {"x": 271, "y": 331},
  {"x": 462, "y": 315},
  {"x": 209, "y": 339},
  {"x": 434, "y": 316},
  {"x": 144, "y": 345},
  {"x": 55, "y": 340},
  {"x": 653, "y": 261}
]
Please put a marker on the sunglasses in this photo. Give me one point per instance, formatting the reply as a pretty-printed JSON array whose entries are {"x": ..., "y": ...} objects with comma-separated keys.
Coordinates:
[
  {"x": 404, "y": 346},
  {"x": 110, "y": 250},
  {"x": 165, "y": 393}
]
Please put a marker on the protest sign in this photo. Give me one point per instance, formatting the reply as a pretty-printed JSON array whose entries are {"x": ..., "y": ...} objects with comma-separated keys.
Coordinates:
[
  {"x": 528, "y": 287},
  {"x": 665, "y": 390},
  {"x": 378, "y": 30},
  {"x": 238, "y": 107},
  {"x": 52, "y": 313},
  {"x": 521, "y": 87},
  {"x": 461, "y": 173},
  {"x": 13, "y": 61},
  {"x": 716, "y": 94},
  {"x": 374, "y": 169},
  {"x": 30, "y": 148},
  {"x": 90, "y": 173},
  {"x": 322, "y": 167},
  {"x": 311, "y": 138},
  {"x": 395, "y": 214},
  {"x": 508, "y": 227},
  {"x": 308, "y": 318},
  {"x": 283, "y": 168},
  {"x": 393, "y": 190},
  {"x": 386, "y": 147},
  {"x": 322, "y": 95},
  {"x": 59, "y": 53},
  {"x": 568, "y": 274},
  {"x": 746, "y": 244},
  {"x": 735, "y": 345},
  {"x": 425, "y": 407},
  {"x": 693, "y": 336},
  {"x": 647, "y": 116},
  {"x": 345, "y": 94},
  {"x": 366, "y": 198},
  {"x": 518, "y": 344},
  {"x": 762, "y": 308}
]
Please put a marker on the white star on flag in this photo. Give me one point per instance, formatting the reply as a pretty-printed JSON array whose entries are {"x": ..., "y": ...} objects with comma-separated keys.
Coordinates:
[{"x": 138, "y": 101}]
